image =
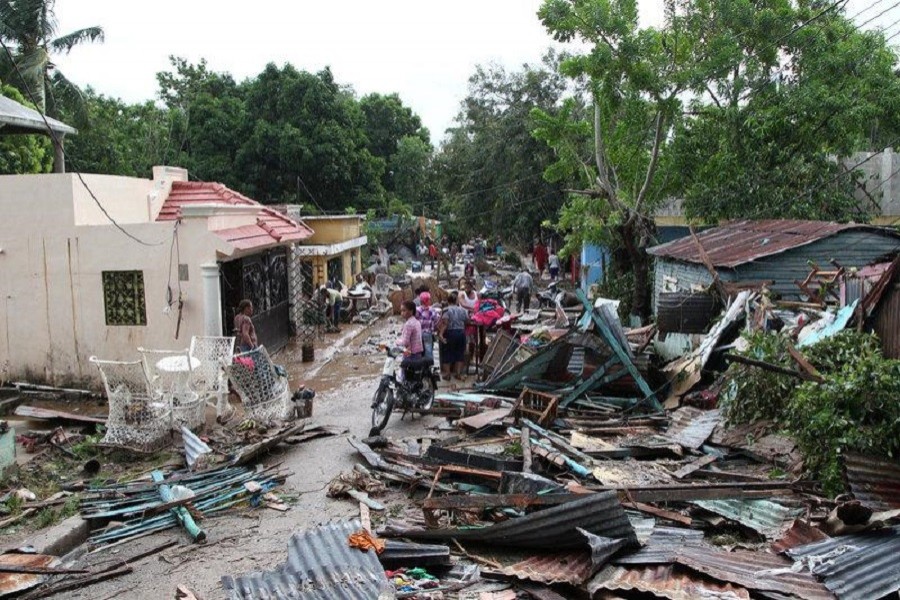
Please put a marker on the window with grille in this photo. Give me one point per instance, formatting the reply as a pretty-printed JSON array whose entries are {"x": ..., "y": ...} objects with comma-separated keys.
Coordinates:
[{"x": 123, "y": 298}]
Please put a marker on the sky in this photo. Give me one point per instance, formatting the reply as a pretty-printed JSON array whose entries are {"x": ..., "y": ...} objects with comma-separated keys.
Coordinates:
[{"x": 423, "y": 50}]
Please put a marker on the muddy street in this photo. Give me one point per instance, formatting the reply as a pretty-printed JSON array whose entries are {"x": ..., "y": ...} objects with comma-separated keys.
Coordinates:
[{"x": 345, "y": 375}]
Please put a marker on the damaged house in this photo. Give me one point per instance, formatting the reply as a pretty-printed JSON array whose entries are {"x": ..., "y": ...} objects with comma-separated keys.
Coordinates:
[{"x": 101, "y": 265}]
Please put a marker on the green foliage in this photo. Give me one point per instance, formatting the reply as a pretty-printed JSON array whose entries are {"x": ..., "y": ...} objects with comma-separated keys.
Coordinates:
[
  {"x": 29, "y": 27},
  {"x": 20, "y": 154},
  {"x": 490, "y": 166},
  {"x": 854, "y": 409}
]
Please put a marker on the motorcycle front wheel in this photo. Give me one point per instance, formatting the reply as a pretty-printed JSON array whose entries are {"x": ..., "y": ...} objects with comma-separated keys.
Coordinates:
[
  {"x": 382, "y": 405},
  {"x": 426, "y": 396}
]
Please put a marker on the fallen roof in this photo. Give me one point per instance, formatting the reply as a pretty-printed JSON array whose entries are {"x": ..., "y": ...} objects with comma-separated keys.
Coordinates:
[
  {"x": 766, "y": 517},
  {"x": 874, "y": 481},
  {"x": 739, "y": 242},
  {"x": 271, "y": 227},
  {"x": 856, "y": 567},
  {"x": 666, "y": 581},
  {"x": 555, "y": 527},
  {"x": 320, "y": 565},
  {"x": 18, "y": 118}
]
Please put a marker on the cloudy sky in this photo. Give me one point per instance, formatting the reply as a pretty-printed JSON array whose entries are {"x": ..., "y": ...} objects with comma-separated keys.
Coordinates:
[{"x": 422, "y": 49}]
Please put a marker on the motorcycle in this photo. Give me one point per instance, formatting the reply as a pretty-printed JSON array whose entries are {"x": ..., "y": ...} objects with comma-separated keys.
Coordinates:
[
  {"x": 547, "y": 298},
  {"x": 492, "y": 290},
  {"x": 411, "y": 391}
]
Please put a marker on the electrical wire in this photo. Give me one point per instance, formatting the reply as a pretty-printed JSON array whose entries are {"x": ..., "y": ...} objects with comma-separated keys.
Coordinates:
[{"x": 58, "y": 144}]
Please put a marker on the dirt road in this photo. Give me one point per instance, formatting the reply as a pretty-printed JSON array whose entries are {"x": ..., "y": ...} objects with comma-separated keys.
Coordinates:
[{"x": 345, "y": 376}]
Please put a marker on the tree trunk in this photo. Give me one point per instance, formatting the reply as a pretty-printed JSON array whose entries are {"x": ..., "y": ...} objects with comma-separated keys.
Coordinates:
[{"x": 635, "y": 236}]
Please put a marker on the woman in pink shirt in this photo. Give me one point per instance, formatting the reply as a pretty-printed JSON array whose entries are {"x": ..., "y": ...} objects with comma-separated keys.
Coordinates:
[{"x": 411, "y": 334}]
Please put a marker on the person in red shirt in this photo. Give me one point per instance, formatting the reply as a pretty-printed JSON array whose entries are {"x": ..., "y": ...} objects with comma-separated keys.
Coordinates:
[
  {"x": 433, "y": 253},
  {"x": 539, "y": 256}
]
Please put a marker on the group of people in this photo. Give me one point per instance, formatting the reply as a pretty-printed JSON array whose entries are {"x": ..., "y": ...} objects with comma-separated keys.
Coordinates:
[
  {"x": 545, "y": 259},
  {"x": 423, "y": 323}
]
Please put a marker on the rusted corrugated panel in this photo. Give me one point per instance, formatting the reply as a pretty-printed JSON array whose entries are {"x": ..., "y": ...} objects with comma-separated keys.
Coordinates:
[
  {"x": 740, "y": 242},
  {"x": 554, "y": 528},
  {"x": 758, "y": 571},
  {"x": 799, "y": 533},
  {"x": 667, "y": 581},
  {"x": 874, "y": 481},
  {"x": 662, "y": 546},
  {"x": 320, "y": 565},
  {"x": 768, "y": 518},
  {"x": 887, "y": 321},
  {"x": 690, "y": 427},
  {"x": 856, "y": 567},
  {"x": 11, "y": 583},
  {"x": 571, "y": 567}
]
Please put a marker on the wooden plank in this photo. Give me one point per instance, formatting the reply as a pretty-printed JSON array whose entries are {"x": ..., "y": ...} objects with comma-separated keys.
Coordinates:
[
  {"x": 496, "y": 500},
  {"x": 34, "y": 412},
  {"x": 694, "y": 466},
  {"x": 658, "y": 512}
]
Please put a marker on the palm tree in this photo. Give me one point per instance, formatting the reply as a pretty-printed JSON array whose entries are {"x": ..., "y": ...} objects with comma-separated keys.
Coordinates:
[{"x": 28, "y": 32}]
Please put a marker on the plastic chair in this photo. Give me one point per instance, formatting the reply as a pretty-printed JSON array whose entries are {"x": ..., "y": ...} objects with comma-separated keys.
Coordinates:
[
  {"x": 209, "y": 378},
  {"x": 138, "y": 419},
  {"x": 381, "y": 290},
  {"x": 170, "y": 373},
  {"x": 265, "y": 393}
]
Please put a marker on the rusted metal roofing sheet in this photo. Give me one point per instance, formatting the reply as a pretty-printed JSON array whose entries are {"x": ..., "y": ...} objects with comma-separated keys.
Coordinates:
[
  {"x": 568, "y": 567},
  {"x": 320, "y": 566},
  {"x": 690, "y": 427},
  {"x": 553, "y": 528},
  {"x": 11, "y": 583},
  {"x": 799, "y": 533},
  {"x": 856, "y": 567},
  {"x": 874, "y": 481},
  {"x": 662, "y": 547},
  {"x": 766, "y": 517},
  {"x": 739, "y": 242},
  {"x": 758, "y": 571},
  {"x": 667, "y": 581}
]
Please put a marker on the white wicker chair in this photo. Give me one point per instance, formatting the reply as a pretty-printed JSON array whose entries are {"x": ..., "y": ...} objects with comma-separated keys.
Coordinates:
[
  {"x": 381, "y": 290},
  {"x": 170, "y": 373},
  {"x": 265, "y": 394},
  {"x": 209, "y": 379},
  {"x": 138, "y": 419}
]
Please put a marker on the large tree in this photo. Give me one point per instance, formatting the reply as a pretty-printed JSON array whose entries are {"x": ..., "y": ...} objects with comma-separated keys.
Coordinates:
[
  {"x": 29, "y": 29},
  {"x": 735, "y": 105},
  {"x": 491, "y": 167}
]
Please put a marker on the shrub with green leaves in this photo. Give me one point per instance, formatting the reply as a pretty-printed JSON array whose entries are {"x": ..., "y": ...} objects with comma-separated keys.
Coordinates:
[{"x": 856, "y": 408}]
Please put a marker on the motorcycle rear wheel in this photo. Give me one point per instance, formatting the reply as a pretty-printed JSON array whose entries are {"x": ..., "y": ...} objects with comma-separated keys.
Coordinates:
[
  {"x": 382, "y": 406},
  {"x": 428, "y": 392}
]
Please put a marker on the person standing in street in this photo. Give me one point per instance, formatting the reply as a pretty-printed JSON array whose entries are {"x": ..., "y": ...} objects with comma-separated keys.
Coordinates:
[
  {"x": 451, "y": 332},
  {"x": 428, "y": 317},
  {"x": 539, "y": 256},
  {"x": 243, "y": 326},
  {"x": 553, "y": 264},
  {"x": 523, "y": 285}
]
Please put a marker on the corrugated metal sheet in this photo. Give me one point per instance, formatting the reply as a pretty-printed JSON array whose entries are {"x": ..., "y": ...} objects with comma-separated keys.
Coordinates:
[
  {"x": 554, "y": 528},
  {"x": 856, "y": 567},
  {"x": 886, "y": 321},
  {"x": 406, "y": 554},
  {"x": 194, "y": 447},
  {"x": 690, "y": 427},
  {"x": 740, "y": 242},
  {"x": 662, "y": 547},
  {"x": 570, "y": 567},
  {"x": 11, "y": 583},
  {"x": 757, "y": 571},
  {"x": 799, "y": 533},
  {"x": 18, "y": 118},
  {"x": 685, "y": 312},
  {"x": 874, "y": 481},
  {"x": 667, "y": 581},
  {"x": 766, "y": 517},
  {"x": 320, "y": 566}
]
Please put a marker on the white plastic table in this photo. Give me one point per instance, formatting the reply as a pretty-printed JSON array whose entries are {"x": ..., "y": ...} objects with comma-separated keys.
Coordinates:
[{"x": 179, "y": 369}]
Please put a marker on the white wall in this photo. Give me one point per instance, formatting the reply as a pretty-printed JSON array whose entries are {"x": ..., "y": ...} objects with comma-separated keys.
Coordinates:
[{"x": 51, "y": 294}]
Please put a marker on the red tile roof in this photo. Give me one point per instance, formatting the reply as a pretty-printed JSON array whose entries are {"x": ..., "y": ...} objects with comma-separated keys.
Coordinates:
[
  {"x": 271, "y": 226},
  {"x": 739, "y": 242}
]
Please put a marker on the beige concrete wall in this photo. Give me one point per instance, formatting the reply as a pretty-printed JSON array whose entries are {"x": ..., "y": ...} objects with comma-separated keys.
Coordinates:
[
  {"x": 52, "y": 314},
  {"x": 333, "y": 229}
]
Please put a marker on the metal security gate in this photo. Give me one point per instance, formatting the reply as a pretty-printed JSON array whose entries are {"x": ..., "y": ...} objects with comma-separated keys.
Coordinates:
[{"x": 262, "y": 279}]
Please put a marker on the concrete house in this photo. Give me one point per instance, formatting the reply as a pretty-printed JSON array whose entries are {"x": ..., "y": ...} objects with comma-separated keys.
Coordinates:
[
  {"x": 781, "y": 251},
  {"x": 168, "y": 259}
]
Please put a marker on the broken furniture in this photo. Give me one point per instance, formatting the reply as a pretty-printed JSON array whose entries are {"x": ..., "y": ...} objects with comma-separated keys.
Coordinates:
[
  {"x": 381, "y": 290},
  {"x": 138, "y": 419},
  {"x": 208, "y": 378},
  {"x": 265, "y": 394},
  {"x": 169, "y": 373}
]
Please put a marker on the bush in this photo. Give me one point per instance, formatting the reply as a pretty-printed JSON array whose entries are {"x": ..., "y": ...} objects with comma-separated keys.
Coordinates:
[{"x": 856, "y": 408}]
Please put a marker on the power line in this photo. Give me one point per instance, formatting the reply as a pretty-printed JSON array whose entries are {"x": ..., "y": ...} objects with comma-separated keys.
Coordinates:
[{"x": 58, "y": 144}]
